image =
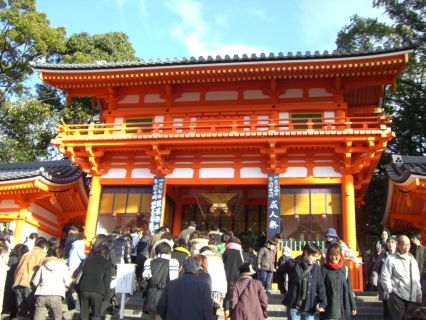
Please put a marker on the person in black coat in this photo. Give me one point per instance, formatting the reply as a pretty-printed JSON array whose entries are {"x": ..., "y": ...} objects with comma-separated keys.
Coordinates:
[
  {"x": 187, "y": 297},
  {"x": 94, "y": 284},
  {"x": 121, "y": 245},
  {"x": 340, "y": 297},
  {"x": 306, "y": 291},
  {"x": 9, "y": 302}
]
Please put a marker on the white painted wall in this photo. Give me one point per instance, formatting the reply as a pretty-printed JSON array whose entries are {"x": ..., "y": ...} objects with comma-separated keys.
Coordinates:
[
  {"x": 185, "y": 173},
  {"x": 254, "y": 94},
  {"x": 295, "y": 172},
  {"x": 153, "y": 98},
  {"x": 189, "y": 96},
  {"x": 319, "y": 92},
  {"x": 8, "y": 204},
  {"x": 221, "y": 95},
  {"x": 133, "y": 98},
  {"x": 292, "y": 93},
  {"x": 252, "y": 172},
  {"x": 325, "y": 172},
  {"x": 217, "y": 172},
  {"x": 142, "y": 173},
  {"x": 115, "y": 173}
]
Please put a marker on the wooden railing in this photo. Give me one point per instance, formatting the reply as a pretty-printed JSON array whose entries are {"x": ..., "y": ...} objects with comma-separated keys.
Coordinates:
[{"x": 226, "y": 126}]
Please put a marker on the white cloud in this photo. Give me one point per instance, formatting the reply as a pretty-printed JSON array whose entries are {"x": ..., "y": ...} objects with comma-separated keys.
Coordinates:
[{"x": 201, "y": 37}]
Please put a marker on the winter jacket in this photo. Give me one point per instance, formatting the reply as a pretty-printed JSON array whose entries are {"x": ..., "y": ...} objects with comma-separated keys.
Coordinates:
[
  {"x": 158, "y": 271},
  {"x": 315, "y": 290},
  {"x": 217, "y": 272},
  {"x": 52, "y": 277},
  {"x": 419, "y": 252},
  {"x": 27, "y": 266},
  {"x": 248, "y": 300},
  {"x": 96, "y": 276},
  {"x": 340, "y": 297},
  {"x": 68, "y": 244},
  {"x": 186, "y": 233},
  {"x": 377, "y": 269},
  {"x": 77, "y": 254},
  {"x": 122, "y": 248},
  {"x": 186, "y": 298},
  {"x": 265, "y": 260},
  {"x": 232, "y": 260},
  {"x": 197, "y": 244},
  {"x": 4, "y": 268},
  {"x": 180, "y": 254},
  {"x": 396, "y": 274},
  {"x": 217, "y": 235},
  {"x": 250, "y": 257}
]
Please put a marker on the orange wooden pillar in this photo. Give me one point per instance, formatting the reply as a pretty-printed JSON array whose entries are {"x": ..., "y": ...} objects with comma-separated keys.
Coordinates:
[
  {"x": 177, "y": 219},
  {"x": 93, "y": 209},
  {"x": 349, "y": 219},
  {"x": 20, "y": 224},
  {"x": 349, "y": 228}
]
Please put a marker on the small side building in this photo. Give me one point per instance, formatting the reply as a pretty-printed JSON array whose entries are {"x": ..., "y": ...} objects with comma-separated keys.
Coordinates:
[
  {"x": 42, "y": 197},
  {"x": 406, "y": 200}
]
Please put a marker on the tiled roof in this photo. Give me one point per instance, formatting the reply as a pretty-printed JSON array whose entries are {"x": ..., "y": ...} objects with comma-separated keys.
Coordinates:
[
  {"x": 406, "y": 166},
  {"x": 226, "y": 59},
  {"x": 61, "y": 172}
]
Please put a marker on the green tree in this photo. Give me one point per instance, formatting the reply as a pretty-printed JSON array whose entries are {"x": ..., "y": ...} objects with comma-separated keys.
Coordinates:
[
  {"x": 407, "y": 105},
  {"x": 110, "y": 47},
  {"x": 25, "y": 130},
  {"x": 83, "y": 48},
  {"x": 79, "y": 48},
  {"x": 25, "y": 36}
]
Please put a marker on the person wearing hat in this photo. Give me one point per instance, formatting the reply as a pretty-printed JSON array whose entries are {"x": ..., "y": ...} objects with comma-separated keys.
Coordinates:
[
  {"x": 332, "y": 237},
  {"x": 247, "y": 299},
  {"x": 266, "y": 265},
  {"x": 306, "y": 292}
]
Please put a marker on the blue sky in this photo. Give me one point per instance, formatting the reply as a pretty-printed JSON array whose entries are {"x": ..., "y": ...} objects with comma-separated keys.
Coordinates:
[{"x": 184, "y": 28}]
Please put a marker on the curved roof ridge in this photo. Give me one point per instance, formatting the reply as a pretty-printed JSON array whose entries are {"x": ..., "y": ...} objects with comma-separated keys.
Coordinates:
[
  {"x": 338, "y": 53},
  {"x": 401, "y": 170},
  {"x": 60, "y": 171}
]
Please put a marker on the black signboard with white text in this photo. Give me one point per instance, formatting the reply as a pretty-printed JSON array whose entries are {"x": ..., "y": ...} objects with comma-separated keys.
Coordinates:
[
  {"x": 156, "y": 203},
  {"x": 273, "y": 221}
]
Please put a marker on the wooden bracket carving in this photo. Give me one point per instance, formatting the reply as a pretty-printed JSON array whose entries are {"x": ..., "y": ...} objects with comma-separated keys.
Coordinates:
[{"x": 159, "y": 157}]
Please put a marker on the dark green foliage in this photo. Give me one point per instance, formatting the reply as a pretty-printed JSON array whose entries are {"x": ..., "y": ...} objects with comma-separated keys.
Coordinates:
[
  {"x": 25, "y": 130},
  {"x": 28, "y": 125},
  {"x": 25, "y": 36}
]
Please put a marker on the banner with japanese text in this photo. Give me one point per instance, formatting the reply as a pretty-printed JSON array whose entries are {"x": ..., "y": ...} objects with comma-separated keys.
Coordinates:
[
  {"x": 273, "y": 221},
  {"x": 158, "y": 189}
]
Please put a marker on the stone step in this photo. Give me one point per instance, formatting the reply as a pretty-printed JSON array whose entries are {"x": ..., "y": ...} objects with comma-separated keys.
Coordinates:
[{"x": 369, "y": 307}]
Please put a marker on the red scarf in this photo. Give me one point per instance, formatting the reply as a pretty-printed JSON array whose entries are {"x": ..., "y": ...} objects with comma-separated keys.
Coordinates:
[{"x": 335, "y": 266}]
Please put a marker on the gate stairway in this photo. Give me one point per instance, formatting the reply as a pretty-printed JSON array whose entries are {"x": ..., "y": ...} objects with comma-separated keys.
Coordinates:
[{"x": 369, "y": 308}]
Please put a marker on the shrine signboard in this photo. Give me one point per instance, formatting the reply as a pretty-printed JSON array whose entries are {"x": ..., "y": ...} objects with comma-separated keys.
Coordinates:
[
  {"x": 273, "y": 221},
  {"x": 156, "y": 203}
]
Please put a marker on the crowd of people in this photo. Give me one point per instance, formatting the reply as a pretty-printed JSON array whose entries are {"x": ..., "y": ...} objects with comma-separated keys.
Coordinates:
[{"x": 196, "y": 274}]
